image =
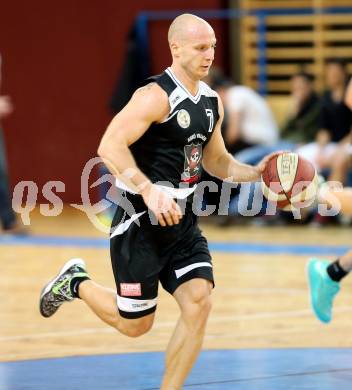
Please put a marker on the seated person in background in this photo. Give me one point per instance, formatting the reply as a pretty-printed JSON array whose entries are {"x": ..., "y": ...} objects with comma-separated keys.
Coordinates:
[
  {"x": 341, "y": 168},
  {"x": 303, "y": 118},
  {"x": 302, "y": 123},
  {"x": 249, "y": 121},
  {"x": 348, "y": 96},
  {"x": 301, "y": 127},
  {"x": 335, "y": 123}
]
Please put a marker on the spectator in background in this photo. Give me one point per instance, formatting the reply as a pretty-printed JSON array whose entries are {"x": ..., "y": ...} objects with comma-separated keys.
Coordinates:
[
  {"x": 250, "y": 121},
  {"x": 7, "y": 215},
  {"x": 302, "y": 123},
  {"x": 341, "y": 168},
  {"x": 336, "y": 116},
  {"x": 335, "y": 124},
  {"x": 348, "y": 96},
  {"x": 301, "y": 128}
]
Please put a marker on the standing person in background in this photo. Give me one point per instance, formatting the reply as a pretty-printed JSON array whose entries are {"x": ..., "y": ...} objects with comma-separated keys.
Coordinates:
[{"x": 7, "y": 215}]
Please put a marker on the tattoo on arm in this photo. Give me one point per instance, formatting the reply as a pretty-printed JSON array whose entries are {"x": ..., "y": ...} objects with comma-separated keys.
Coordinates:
[{"x": 145, "y": 87}]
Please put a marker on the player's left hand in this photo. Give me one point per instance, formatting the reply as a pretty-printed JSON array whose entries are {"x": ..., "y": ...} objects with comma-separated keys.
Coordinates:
[{"x": 264, "y": 162}]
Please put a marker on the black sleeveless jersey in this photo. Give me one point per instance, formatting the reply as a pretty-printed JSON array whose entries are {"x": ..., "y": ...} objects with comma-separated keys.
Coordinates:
[{"x": 171, "y": 151}]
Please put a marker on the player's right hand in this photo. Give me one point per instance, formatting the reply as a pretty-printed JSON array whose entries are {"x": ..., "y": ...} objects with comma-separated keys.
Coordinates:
[{"x": 166, "y": 210}]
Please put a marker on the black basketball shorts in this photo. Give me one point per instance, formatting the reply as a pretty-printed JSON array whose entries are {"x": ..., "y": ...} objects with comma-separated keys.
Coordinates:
[{"x": 143, "y": 253}]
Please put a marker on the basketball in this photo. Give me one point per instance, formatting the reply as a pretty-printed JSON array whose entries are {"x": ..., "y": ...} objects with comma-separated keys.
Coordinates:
[{"x": 290, "y": 181}]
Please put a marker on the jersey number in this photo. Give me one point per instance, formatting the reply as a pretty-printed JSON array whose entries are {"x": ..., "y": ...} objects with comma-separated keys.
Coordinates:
[{"x": 210, "y": 114}]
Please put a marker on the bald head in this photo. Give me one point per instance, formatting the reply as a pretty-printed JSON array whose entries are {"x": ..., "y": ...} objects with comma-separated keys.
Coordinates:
[
  {"x": 192, "y": 44},
  {"x": 185, "y": 26}
]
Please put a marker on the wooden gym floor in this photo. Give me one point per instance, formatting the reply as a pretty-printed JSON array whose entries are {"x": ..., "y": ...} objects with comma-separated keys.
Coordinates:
[{"x": 260, "y": 305}]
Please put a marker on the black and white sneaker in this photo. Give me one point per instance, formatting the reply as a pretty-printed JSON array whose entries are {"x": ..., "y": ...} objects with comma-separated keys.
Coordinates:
[{"x": 59, "y": 290}]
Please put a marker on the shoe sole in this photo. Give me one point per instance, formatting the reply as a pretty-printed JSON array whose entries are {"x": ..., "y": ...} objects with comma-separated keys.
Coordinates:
[
  {"x": 49, "y": 285},
  {"x": 310, "y": 284}
]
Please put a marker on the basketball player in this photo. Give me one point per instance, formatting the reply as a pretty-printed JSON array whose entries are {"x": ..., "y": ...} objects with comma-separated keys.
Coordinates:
[
  {"x": 169, "y": 128},
  {"x": 324, "y": 277},
  {"x": 324, "y": 283}
]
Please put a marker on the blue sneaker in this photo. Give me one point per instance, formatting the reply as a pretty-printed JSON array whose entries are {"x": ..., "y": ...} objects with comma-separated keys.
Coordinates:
[{"x": 322, "y": 289}]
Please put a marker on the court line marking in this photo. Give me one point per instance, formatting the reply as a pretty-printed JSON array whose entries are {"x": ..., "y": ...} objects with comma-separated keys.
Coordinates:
[
  {"x": 225, "y": 247},
  {"x": 28, "y": 356},
  {"x": 227, "y": 335},
  {"x": 266, "y": 377},
  {"x": 166, "y": 324}
]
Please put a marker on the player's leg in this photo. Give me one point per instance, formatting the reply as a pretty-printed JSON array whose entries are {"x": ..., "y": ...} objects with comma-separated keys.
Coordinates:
[
  {"x": 102, "y": 301},
  {"x": 193, "y": 298},
  {"x": 346, "y": 262},
  {"x": 73, "y": 282},
  {"x": 188, "y": 276},
  {"x": 340, "y": 198},
  {"x": 324, "y": 278},
  {"x": 131, "y": 308}
]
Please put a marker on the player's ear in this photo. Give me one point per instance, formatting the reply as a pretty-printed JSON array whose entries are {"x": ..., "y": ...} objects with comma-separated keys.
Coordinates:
[{"x": 175, "y": 49}]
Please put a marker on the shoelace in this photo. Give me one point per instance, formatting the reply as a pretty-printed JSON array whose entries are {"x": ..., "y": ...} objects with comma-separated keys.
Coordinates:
[
  {"x": 64, "y": 292},
  {"x": 57, "y": 301}
]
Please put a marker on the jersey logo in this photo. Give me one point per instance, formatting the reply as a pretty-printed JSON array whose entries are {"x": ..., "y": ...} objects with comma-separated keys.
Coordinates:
[
  {"x": 183, "y": 119},
  {"x": 192, "y": 164},
  {"x": 210, "y": 114},
  {"x": 173, "y": 101},
  {"x": 130, "y": 289}
]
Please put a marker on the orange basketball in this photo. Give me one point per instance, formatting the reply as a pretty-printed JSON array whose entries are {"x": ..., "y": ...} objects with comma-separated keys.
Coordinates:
[{"x": 290, "y": 181}]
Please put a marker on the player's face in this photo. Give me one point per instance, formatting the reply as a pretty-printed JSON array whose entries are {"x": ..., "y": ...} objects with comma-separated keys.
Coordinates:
[{"x": 197, "y": 54}]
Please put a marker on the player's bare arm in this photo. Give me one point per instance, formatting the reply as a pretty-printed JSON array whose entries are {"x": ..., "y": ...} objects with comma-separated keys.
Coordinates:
[
  {"x": 221, "y": 164},
  {"x": 148, "y": 104}
]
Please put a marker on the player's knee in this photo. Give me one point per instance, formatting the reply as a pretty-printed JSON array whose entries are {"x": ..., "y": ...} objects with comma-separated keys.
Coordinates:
[
  {"x": 137, "y": 327},
  {"x": 199, "y": 305},
  {"x": 204, "y": 305},
  {"x": 201, "y": 297},
  {"x": 196, "y": 315}
]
